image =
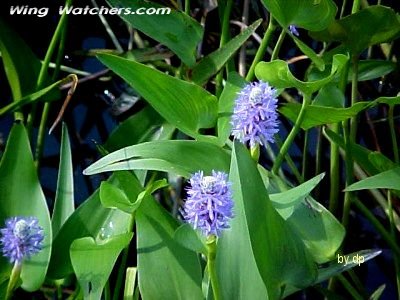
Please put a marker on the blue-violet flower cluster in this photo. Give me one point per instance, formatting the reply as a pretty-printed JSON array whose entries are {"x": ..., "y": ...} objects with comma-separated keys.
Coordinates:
[
  {"x": 209, "y": 204},
  {"x": 255, "y": 119},
  {"x": 21, "y": 238},
  {"x": 293, "y": 30}
]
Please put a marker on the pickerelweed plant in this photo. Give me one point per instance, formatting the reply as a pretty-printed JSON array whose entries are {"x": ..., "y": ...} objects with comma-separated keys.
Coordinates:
[{"x": 205, "y": 180}]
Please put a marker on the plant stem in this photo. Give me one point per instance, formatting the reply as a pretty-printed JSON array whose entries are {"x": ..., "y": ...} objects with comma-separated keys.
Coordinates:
[
  {"x": 305, "y": 157},
  {"x": 46, "y": 108},
  {"x": 393, "y": 235},
  {"x": 262, "y": 49},
  {"x": 295, "y": 130},
  {"x": 349, "y": 287},
  {"x": 356, "y": 6},
  {"x": 212, "y": 272},
  {"x": 378, "y": 226},
  {"x": 222, "y": 42},
  {"x": 187, "y": 7},
  {"x": 393, "y": 134},
  {"x": 14, "y": 278},
  {"x": 278, "y": 45},
  {"x": 122, "y": 267},
  {"x": 45, "y": 65}
]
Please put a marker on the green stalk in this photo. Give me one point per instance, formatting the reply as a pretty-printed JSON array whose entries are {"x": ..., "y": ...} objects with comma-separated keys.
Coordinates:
[
  {"x": 222, "y": 42},
  {"x": 187, "y": 7},
  {"x": 46, "y": 108},
  {"x": 378, "y": 226},
  {"x": 278, "y": 45},
  {"x": 295, "y": 130},
  {"x": 354, "y": 293},
  {"x": 334, "y": 155},
  {"x": 350, "y": 137},
  {"x": 289, "y": 161},
  {"x": 393, "y": 134},
  {"x": 262, "y": 49},
  {"x": 393, "y": 235},
  {"x": 305, "y": 158},
  {"x": 122, "y": 267},
  {"x": 14, "y": 278},
  {"x": 356, "y": 6},
  {"x": 45, "y": 65},
  {"x": 343, "y": 8},
  {"x": 212, "y": 272}
]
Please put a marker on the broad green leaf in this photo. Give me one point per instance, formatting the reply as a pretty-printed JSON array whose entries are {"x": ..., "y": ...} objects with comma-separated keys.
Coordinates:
[
  {"x": 277, "y": 73},
  {"x": 94, "y": 260},
  {"x": 176, "y": 30},
  {"x": 22, "y": 195},
  {"x": 191, "y": 239},
  {"x": 389, "y": 179},
  {"x": 320, "y": 115},
  {"x": 113, "y": 197},
  {"x": 226, "y": 104},
  {"x": 213, "y": 62},
  {"x": 370, "y": 26},
  {"x": 317, "y": 60},
  {"x": 310, "y": 220},
  {"x": 164, "y": 266},
  {"x": 180, "y": 157},
  {"x": 286, "y": 201},
  {"x": 308, "y": 14},
  {"x": 20, "y": 64},
  {"x": 64, "y": 200},
  {"x": 91, "y": 219},
  {"x": 185, "y": 105},
  {"x": 256, "y": 233},
  {"x": 134, "y": 130},
  {"x": 331, "y": 96},
  {"x": 367, "y": 69}
]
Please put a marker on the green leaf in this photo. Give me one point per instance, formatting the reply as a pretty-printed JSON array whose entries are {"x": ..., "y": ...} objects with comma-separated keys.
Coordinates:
[
  {"x": 185, "y": 105},
  {"x": 309, "y": 219},
  {"x": 286, "y": 201},
  {"x": 180, "y": 157},
  {"x": 278, "y": 74},
  {"x": 372, "y": 69},
  {"x": 317, "y": 60},
  {"x": 378, "y": 292},
  {"x": 256, "y": 238},
  {"x": 389, "y": 179},
  {"x": 176, "y": 30},
  {"x": 113, "y": 197},
  {"x": 165, "y": 267},
  {"x": 370, "y": 26},
  {"x": 134, "y": 130},
  {"x": 334, "y": 267},
  {"x": 213, "y": 62},
  {"x": 329, "y": 95},
  {"x": 31, "y": 98},
  {"x": 64, "y": 200},
  {"x": 191, "y": 239},
  {"x": 93, "y": 261},
  {"x": 91, "y": 219},
  {"x": 309, "y": 14},
  {"x": 320, "y": 115},
  {"x": 20, "y": 64},
  {"x": 24, "y": 198},
  {"x": 226, "y": 104}
]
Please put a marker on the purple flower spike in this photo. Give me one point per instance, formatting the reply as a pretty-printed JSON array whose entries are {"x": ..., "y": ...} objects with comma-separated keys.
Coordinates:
[
  {"x": 209, "y": 204},
  {"x": 21, "y": 238},
  {"x": 293, "y": 30},
  {"x": 255, "y": 119}
]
